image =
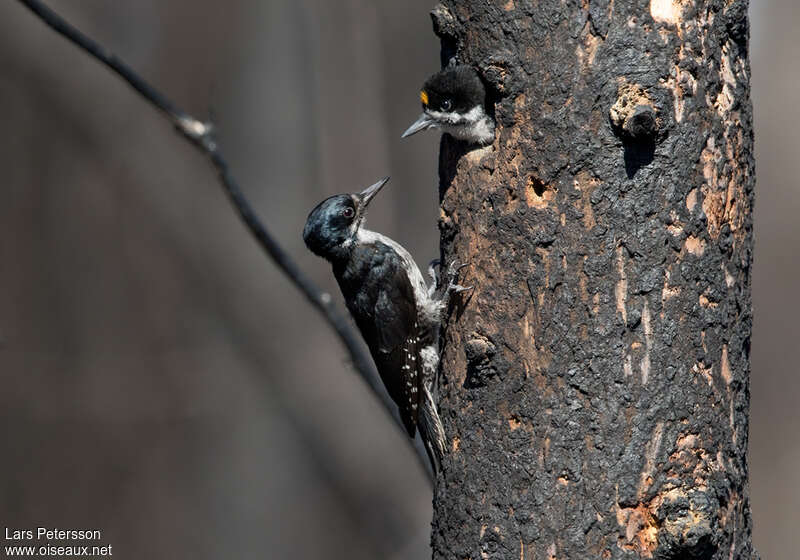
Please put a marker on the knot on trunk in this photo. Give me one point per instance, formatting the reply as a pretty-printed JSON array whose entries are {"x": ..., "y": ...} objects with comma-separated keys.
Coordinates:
[
  {"x": 634, "y": 115},
  {"x": 688, "y": 525},
  {"x": 677, "y": 524},
  {"x": 635, "y": 120}
]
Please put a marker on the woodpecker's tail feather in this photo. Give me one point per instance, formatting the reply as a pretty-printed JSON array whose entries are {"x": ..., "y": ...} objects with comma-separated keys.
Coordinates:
[{"x": 431, "y": 431}]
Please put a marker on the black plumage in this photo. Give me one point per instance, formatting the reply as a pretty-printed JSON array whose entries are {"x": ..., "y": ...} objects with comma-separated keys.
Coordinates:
[
  {"x": 397, "y": 314},
  {"x": 380, "y": 297},
  {"x": 455, "y": 89}
]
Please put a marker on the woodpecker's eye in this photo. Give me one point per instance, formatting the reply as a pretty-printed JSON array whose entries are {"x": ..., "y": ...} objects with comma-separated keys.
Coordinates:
[
  {"x": 446, "y": 105},
  {"x": 348, "y": 212}
]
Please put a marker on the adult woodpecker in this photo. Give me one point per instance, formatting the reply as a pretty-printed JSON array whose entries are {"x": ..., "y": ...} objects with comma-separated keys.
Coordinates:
[
  {"x": 397, "y": 313},
  {"x": 454, "y": 100}
]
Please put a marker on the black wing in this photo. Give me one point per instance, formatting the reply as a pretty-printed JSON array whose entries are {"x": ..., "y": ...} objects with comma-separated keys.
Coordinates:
[{"x": 381, "y": 298}]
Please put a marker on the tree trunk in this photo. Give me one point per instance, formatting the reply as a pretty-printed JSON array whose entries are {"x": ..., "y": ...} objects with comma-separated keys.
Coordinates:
[{"x": 595, "y": 384}]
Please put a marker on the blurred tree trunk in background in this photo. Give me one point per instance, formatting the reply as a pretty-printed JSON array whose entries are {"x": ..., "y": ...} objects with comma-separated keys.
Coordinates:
[{"x": 595, "y": 385}]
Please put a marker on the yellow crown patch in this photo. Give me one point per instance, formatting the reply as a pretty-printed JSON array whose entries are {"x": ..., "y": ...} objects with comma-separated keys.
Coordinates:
[{"x": 423, "y": 96}]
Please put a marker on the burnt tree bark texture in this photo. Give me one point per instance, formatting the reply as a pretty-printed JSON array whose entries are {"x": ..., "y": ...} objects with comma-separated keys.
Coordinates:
[{"x": 595, "y": 384}]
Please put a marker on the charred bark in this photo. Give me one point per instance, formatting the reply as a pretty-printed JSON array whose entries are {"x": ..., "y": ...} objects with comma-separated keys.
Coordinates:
[{"x": 595, "y": 385}]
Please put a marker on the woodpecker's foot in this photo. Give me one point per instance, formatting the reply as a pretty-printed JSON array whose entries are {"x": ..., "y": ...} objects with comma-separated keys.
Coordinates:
[{"x": 453, "y": 287}]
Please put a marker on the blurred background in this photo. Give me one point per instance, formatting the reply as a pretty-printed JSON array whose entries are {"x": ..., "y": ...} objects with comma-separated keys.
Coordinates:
[{"x": 161, "y": 381}]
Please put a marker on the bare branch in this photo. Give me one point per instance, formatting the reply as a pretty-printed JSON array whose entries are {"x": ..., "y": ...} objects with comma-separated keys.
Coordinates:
[{"x": 201, "y": 134}]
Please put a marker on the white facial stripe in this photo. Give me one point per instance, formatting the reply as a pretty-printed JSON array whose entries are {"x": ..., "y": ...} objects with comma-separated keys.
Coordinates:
[
  {"x": 473, "y": 126},
  {"x": 475, "y": 114},
  {"x": 451, "y": 117}
]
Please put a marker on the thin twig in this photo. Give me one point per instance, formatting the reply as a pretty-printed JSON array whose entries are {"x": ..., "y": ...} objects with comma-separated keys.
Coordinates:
[{"x": 201, "y": 134}]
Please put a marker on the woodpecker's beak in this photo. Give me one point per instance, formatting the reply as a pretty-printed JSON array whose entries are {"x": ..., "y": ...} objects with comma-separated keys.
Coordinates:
[
  {"x": 423, "y": 122},
  {"x": 369, "y": 193}
]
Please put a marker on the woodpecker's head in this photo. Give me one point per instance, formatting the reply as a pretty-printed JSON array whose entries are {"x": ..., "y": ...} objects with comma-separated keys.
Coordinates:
[
  {"x": 332, "y": 227},
  {"x": 454, "y": 100}
]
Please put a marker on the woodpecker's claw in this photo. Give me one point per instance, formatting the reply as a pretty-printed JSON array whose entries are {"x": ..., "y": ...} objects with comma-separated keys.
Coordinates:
[
  {"x": 444, "y": 291},
  {"x": 454, "y": 268},
  {"x": 456, "y": 289},
  {"x": 452, "y": 276}
]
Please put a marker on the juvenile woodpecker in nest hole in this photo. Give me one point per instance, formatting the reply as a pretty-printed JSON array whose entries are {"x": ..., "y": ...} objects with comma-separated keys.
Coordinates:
[
  {"x": 397, "y": 313},
  {"x": 454, "y": 100}
]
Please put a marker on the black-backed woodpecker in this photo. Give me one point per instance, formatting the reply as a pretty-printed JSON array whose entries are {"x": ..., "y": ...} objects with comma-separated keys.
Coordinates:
[
  {"x": 398, "y": 314},
  {"x": 454, "y": 100}
]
